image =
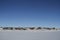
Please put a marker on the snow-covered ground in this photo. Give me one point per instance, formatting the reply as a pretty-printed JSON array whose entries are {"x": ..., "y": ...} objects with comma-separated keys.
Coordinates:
[{"x": 29, "y": 35}]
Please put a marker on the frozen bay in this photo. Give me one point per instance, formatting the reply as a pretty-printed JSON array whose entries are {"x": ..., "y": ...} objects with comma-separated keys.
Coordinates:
[{"x": 29, "y": 35}]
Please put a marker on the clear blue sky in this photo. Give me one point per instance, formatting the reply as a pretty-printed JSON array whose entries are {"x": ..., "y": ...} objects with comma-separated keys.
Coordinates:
[{"x": 30, "y": 13}]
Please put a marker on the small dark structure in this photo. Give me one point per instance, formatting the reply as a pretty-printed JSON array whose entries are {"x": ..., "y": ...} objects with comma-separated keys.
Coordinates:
[
  {"x": 38, "y": 28},
  {"x": 32, "y": 28},
  {"x": 53, "y": 28},
  {"x": 24, "y": 29},
  {"x": 18, "y": 28},
  {"x": 7, "y": 28},
  {"x": 47, "y": 28}
]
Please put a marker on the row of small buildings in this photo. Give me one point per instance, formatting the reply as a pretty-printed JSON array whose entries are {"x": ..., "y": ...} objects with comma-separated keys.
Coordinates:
[{"x": 27, "y": 28}]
